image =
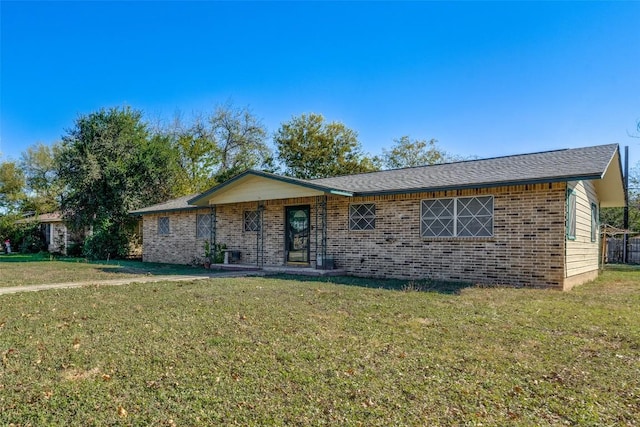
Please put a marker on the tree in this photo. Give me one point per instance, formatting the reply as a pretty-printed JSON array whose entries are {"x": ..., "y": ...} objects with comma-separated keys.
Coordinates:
[
  {"x": 43, "y": 188},
  {"x": 11, "y": 187},
  {"x": 195, "y": 149},
  {"x": 109, "y": 165},
  {"x": 409, "y": 152},
  {"x": 309, "y": 148},
  {"x": 218, "y": 145},
  {"x": 240, "y": 139}
]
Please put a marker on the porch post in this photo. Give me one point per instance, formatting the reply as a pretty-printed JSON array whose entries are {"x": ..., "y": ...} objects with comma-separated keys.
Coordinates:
[
  {"x": 212, "y": 229},
  {"x": 260, "y": 236},
  {"x": 321, "y": 231}
]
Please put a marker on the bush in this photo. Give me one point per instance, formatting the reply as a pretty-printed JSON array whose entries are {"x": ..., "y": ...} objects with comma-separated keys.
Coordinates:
[
  {"x": 107, "y": 241},
  {"x": 75, "y": 249}
]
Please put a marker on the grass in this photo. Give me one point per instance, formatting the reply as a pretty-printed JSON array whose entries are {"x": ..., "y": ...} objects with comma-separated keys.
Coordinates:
[
  {"x": 35, "y": 269},
  {"x": 283, "y": 351}
]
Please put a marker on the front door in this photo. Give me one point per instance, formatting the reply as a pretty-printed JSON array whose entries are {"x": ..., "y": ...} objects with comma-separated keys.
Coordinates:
[{"x": 297, "y": 234}]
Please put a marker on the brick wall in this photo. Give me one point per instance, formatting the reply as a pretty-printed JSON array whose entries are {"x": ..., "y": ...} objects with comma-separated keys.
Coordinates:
[
  {"x": 527, "y": 248},
  {"x": 180, "y": 246}
]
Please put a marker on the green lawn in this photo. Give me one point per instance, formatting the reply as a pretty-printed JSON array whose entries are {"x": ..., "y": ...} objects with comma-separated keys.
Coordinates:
[
  {"x": 286, "y": 351},
  {"x": 24, "y": 270}
]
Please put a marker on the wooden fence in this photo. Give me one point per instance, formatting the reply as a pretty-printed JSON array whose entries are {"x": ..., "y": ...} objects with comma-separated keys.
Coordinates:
[{"x": 615, "y": 250}]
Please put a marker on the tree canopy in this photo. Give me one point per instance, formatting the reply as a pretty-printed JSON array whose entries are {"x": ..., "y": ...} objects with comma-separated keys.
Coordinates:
[
  {"x": 41, "y": 178},
  {"x": 11, "y": 187},
  {"x": 109, "y": 165},
  {"x": 217, "y": 145},
  {"x": 310, "y": 148},
  {"x": 407, "y": 152}
]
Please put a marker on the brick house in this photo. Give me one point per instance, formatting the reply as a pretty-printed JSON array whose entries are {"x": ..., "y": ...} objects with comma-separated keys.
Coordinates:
[{"x": 523, "y": 220}]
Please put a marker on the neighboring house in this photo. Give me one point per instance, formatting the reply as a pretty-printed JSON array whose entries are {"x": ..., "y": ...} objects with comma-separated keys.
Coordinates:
[
  {"x": 54, "y": 231},
  {"x": 523, "y": 220}
]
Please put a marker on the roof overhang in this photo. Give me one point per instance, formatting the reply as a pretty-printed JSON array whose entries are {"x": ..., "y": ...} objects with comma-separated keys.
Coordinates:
[
  {"x": 610, "y": 187},
  {"x": 252, "y": 186}
]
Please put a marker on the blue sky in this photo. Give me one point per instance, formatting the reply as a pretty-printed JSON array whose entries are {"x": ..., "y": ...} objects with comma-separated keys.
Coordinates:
[{"x": 485, "y": 79}]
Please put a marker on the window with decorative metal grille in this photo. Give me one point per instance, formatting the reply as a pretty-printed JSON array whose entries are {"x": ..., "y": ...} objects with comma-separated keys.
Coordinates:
[
  {"x": 457, "y": 217},
  {"x": 203, "y": 226},
  {"x": 362, "y": 217},
  {"x": 251, "y": 220},
  {"x": 163, "y": 225}
]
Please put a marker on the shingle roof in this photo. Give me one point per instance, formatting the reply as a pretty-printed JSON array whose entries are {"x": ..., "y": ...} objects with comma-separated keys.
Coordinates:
[
  {"x": 179, "y": 204},
  {"x": 46, "y": 217},
  {"x": 548, "y": 166}
]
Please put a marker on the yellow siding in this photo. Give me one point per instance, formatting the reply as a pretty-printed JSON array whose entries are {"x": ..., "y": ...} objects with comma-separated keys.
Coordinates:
[
  {"x": 255, "y": 188},
  {"x": 582, "y": 253}
]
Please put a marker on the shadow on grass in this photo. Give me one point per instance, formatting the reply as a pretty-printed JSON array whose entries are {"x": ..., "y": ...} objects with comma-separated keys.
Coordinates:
[
  {"x": 622, "y": 267},
  {"x": 18, "y": 257},
  {"x": 425, "y": 285},
  {"x": 151, "y": 269},
  {"x": 112, "y": 266}
]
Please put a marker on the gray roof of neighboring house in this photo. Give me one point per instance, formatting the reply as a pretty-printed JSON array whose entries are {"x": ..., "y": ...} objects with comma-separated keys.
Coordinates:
[
  {"x": 179, "y": 204},
  {"x": 548, "y": 166},
  {"x": 45, "y": 217}
]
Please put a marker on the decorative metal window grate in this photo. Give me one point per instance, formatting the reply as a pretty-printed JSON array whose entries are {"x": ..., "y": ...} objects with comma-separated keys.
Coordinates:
[
  {"x": 475, "y": 216},
  {"x": 457, "y": 217},
  {"x": 251, "y": 221},
  {"x": 203, "y": 226},
  {"x": 362, "y": 217},
  {"x": 163, "y": 225}
]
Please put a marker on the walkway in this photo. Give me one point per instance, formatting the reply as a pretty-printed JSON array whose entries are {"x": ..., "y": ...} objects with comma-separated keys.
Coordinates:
[{"x": 127, "y": 280}]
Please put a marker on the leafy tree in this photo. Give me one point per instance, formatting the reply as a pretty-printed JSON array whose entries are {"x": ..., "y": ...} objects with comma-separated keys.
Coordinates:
[
  {"x": 216, "y": 146},
  {"x": 409, "y": 152},
  {"x": 310, "y": 148},
  {"x": 40, "y": 170},
  {"x": 195, "y": 149},
  {"x": 240, "y": 140},
  {"x": 11, "y": 187},
  {"x": 109, "y": 165}
]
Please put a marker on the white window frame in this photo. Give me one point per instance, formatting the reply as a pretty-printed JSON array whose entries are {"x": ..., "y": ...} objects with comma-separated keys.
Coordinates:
[
  {"x": 356, "y": 217},
  {"x": 164, "y": 229},
  {"x": 453, "y": 216}
]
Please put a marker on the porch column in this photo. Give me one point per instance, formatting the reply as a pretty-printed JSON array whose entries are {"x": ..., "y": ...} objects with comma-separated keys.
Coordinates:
[
  {"x": 260, "y": 236},
  {"x": 321, "y": 232}
]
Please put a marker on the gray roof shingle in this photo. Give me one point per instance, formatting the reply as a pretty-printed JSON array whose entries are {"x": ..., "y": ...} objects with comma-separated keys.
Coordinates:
[
  {"x": 548, "y": 166},
  {"x": 179, "y": 204}
]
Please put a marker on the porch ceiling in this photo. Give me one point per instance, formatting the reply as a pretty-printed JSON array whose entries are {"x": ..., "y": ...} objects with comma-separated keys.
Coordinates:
[{"x": 611, "y": 187}]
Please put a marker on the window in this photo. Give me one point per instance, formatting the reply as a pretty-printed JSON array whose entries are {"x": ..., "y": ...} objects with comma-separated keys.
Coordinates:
[
  {"x": 163, "y": 225},
  {"x": 203, "y": 226},
  {"x": 251, "y": 221},
  {"x": 571, "y": 215},
  {"x": 594, "y": 222},
  {"x": 362, "y": 217},
  {"x": 457, "y": 217}
]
